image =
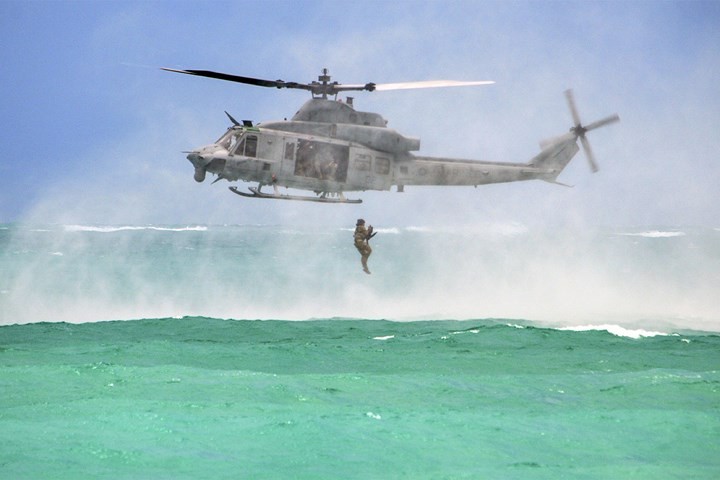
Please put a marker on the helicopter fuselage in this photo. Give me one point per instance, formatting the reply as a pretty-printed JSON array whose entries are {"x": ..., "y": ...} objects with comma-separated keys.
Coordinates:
[{"x": 328, "y": 147}]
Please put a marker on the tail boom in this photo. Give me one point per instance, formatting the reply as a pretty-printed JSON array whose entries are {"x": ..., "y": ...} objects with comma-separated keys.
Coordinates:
[{"x": 426, "y": 171}]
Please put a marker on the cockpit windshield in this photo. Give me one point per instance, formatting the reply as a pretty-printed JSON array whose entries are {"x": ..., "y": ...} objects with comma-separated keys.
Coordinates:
[{"x": 229, "y": 139}]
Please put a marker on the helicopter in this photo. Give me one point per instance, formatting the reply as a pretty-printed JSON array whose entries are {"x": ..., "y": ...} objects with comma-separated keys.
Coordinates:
[{"x": 330, "y": 148}]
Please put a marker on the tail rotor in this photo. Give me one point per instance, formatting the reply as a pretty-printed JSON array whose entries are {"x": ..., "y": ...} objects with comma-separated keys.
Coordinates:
[{"x": 579, "y": 130}]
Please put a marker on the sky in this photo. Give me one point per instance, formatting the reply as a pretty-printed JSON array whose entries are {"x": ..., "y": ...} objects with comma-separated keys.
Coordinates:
[{"x": 93, "y": 131}]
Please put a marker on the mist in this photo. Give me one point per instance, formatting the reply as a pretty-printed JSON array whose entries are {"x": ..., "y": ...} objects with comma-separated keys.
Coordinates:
[
  {"x": 557, "y": 277},
  {"x": 96, "y": 141}
]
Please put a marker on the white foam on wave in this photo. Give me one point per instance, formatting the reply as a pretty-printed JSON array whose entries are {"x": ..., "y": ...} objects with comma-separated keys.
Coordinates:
[
  {"x": 615, "y": 330},
  {"x": 418, "y": 229},
  {"x": 510, "y": 229},
  {"x": 392, "y": 230},
  {"x": 461, "y": 332},
  {"x": 500, "y": 229},
  {"x": 106, "y": 229},
  {"x": 655, "y": 234}
]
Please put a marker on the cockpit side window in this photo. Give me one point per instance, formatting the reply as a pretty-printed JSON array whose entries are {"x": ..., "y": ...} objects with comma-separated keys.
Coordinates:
[
  {"x": 251, "y": 146},
  {"x": 247, "y": 146},
  {"x": 240, "y": 150}
]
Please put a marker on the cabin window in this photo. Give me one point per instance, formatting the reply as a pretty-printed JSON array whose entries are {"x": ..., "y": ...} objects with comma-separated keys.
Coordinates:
[
  {"x": 362, "y": 162},
  {"x": 382, "y": 166},
  {"x": 321, "y": 160},
  {"x": 289, "y": 151}
]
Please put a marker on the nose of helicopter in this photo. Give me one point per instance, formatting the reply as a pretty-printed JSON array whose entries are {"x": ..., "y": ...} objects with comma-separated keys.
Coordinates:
[
  {"x": 195, "y": 158},
  {"x": 200, "y": 164},
  {"x": 206, "y": 158}
]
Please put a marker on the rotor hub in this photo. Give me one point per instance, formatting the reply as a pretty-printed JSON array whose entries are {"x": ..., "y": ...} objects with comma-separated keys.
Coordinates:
[{"x": 579, "y": 130}]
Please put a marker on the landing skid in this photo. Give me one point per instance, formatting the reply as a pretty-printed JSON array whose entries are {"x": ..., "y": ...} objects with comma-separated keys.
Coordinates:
[{"x": 255, "y": 193}]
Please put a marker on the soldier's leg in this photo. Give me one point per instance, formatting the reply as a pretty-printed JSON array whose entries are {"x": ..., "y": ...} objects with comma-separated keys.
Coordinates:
[{"x": 365, "y": 255}]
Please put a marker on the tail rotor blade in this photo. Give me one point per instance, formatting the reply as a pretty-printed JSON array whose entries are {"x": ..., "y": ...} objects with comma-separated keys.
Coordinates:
[
  {"x": 603, "y": 122},
  {"x": 571, "y": 104},
  {"x": 589, "y": 154},
  {"x": 579, "y": 131}
]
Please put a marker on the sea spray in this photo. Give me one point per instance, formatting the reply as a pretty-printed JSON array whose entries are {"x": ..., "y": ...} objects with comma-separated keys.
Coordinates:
[{"x": 637, "y": 279}]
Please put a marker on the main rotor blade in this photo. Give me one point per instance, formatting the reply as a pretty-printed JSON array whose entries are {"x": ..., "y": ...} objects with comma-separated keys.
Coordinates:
[
  {"x": 235, "y": 122},
  {"x": 603, "y": 122},
  {"x": 326, "y": 88},
  {"x": 259, "y": 82},
  {"x": 381, "y": 87},
  {"x": 571, "y": 104},
  {"x": 589, "y": 154}
]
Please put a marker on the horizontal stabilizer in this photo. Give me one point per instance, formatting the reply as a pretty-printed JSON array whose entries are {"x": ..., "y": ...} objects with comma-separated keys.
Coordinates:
[{"x": 549, "y": 142}]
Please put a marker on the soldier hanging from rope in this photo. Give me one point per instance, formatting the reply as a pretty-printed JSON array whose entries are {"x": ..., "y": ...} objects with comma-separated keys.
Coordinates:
[{"x": 362, "y": 238}]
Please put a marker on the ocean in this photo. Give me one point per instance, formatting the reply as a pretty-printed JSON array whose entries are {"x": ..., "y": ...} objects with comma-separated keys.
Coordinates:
[{"x": 260, "y": 351}]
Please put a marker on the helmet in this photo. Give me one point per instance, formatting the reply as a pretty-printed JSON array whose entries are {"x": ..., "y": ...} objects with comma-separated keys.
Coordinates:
[{"x": 360, "y": 222}]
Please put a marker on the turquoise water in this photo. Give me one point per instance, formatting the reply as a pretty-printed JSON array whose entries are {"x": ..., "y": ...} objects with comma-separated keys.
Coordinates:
[
  {"x": 607, "y": 364},
  {"x": 207, "y": 398}
]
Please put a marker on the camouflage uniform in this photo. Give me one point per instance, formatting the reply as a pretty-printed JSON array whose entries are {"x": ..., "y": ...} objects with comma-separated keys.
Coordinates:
[{"x": 361, "y": 243}]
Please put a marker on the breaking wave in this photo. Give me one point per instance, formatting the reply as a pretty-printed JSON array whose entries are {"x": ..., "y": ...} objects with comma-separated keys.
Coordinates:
[
  {"x": 655, "y": 234},
  {"x": 616, "y": 330},
  {"x": 106, "y": 229}
]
